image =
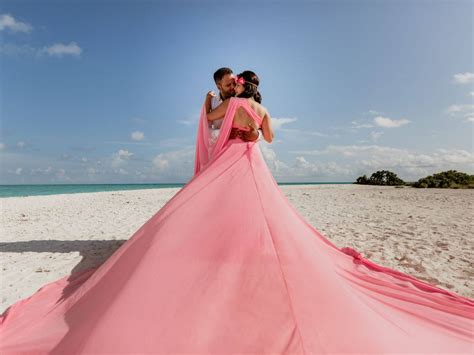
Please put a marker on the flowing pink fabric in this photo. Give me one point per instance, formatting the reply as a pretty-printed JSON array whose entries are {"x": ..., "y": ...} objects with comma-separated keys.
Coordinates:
[
  {"x": 202, "y": 142},
  {"x": 228, "y": 265},
  {"x": 205, "y": 152}
]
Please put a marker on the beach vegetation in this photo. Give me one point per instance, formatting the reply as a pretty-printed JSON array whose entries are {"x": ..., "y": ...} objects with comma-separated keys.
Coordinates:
[
  {"x": 381, "y": 177},
  {"x": 446, "y": 179}
]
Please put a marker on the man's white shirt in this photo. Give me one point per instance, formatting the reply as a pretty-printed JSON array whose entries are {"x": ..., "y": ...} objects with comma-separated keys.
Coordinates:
[{"x": 214, "y": 126}]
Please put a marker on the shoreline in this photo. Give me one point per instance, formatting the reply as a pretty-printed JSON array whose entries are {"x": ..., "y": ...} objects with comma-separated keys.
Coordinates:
[
  {"x": 27, "y": 190},
  {"x": 426, "y": 233}
]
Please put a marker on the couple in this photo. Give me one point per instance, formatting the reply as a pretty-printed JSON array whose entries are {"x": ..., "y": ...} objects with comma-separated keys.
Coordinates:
[
  {"x": 243, "y": 86},
  {"x": 228, "y": 265}
]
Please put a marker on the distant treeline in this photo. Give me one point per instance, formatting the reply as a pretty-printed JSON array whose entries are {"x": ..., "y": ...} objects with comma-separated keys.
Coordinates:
[{"x": 445, "y": 179}]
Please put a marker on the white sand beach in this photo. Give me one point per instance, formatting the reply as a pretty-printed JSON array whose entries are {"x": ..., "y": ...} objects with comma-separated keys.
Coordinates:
[{"x": 427, "y": 233}]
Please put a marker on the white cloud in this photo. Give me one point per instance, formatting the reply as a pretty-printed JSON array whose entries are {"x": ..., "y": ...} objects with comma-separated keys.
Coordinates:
[
  {"x": 464, "y": 78},
  {"x": 453, "y": 109},
  {"x": 18, "y": 171},
  {"x": 356, "y": 124},
  {"x": 20, "y": 144},
  {"x": 301, "y": 168},
  {"x": 275, "y": 165},
  {"x": 456, "y": 156},
  {"x": 2, "y": 146},
  {"x": 8, "y": 21},
  {"x": 57, "y": 50},
  {"x": 301, "y": 162},
  {"x": 60, "y": 49},
  {"x": 373, "y": 112},
  {"x": 319, "y": 170},
  {"x": 137, "y": 136},
  {"x": 177, "y": 163},
  {"x": 472, "y": 93},
  {"x": 401, "y": 161},
  {"x": 465, "y": 111},
  {"x": 375, "y": 135},
  {"x": 124, "y": 154},
  {"x": 390, "y": 123},
  {"x": 120, "y": 157},
  {"x": 161, "y": 162},
  {"x": 277, "y": 123}
]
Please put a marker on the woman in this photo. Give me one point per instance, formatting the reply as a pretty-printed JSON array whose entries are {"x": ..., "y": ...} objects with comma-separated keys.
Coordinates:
[{"x": 229, "y": 266}]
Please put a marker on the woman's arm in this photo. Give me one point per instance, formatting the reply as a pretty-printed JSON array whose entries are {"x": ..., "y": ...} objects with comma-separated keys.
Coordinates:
[
  {"x": 267, "y": 128},
  {"x": 219, "y": 111}
]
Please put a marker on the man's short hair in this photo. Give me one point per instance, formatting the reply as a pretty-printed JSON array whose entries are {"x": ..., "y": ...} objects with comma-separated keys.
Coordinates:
[{"x": 220, "y": 73}]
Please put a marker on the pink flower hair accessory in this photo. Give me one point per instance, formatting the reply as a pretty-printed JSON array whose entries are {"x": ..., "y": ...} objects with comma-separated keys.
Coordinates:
[{"x": 241, "y": 80}]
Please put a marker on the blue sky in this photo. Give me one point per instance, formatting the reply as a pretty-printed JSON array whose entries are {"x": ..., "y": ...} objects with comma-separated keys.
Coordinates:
[{"x": 110, "y": 91}]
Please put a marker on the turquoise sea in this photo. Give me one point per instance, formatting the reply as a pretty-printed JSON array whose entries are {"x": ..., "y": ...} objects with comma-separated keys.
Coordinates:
[{"x": 34, "y": 190}]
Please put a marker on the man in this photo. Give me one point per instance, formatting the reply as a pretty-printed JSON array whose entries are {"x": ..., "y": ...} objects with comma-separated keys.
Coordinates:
[{"x": 225, "y": 82}]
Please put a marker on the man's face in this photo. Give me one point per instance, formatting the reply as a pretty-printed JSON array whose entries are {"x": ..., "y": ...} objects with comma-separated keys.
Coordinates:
[{"x": 227, "y": 85}]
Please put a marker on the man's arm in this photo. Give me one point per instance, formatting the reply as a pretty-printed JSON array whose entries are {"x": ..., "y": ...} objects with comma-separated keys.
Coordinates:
[{"x": 252, "y": 135}]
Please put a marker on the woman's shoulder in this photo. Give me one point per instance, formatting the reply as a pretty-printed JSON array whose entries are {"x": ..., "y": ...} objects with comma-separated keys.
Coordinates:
[{"x": 259, "y": 108}]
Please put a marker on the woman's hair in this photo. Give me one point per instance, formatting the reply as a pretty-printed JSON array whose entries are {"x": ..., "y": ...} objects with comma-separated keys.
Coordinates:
[{"x": 250, "y": 90}]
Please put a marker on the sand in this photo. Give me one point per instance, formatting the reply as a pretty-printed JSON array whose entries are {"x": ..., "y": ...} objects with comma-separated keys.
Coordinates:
[{"x": 427, "y": 233}]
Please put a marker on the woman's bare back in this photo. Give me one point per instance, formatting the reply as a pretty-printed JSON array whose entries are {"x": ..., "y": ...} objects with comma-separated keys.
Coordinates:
[{"x": 243, "y": 119}]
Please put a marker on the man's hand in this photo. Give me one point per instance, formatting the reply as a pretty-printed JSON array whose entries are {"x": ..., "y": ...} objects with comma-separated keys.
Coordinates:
[{"x": 249, "y": 136}]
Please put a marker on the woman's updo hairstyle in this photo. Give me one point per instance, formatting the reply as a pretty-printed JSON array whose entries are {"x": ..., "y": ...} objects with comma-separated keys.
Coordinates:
[{"x": 250, "y": 85}]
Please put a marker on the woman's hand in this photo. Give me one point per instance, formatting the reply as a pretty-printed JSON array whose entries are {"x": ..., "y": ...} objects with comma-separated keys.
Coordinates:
[{"x": 207, "y": 101}]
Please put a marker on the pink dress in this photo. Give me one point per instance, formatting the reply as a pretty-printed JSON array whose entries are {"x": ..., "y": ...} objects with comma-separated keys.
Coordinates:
[{"x": 259, "y": 279}]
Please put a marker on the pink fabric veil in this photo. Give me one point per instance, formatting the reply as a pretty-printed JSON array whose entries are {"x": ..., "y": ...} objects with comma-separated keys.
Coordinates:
[
  {"x": 202, "y": 142},
  {"x": 204, "y": 153}
]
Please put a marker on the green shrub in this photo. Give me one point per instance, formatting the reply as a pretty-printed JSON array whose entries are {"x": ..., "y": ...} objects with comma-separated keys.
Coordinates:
[
  {"x": 447, "y": 179},
  {"x": 381, "y": 177}
]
